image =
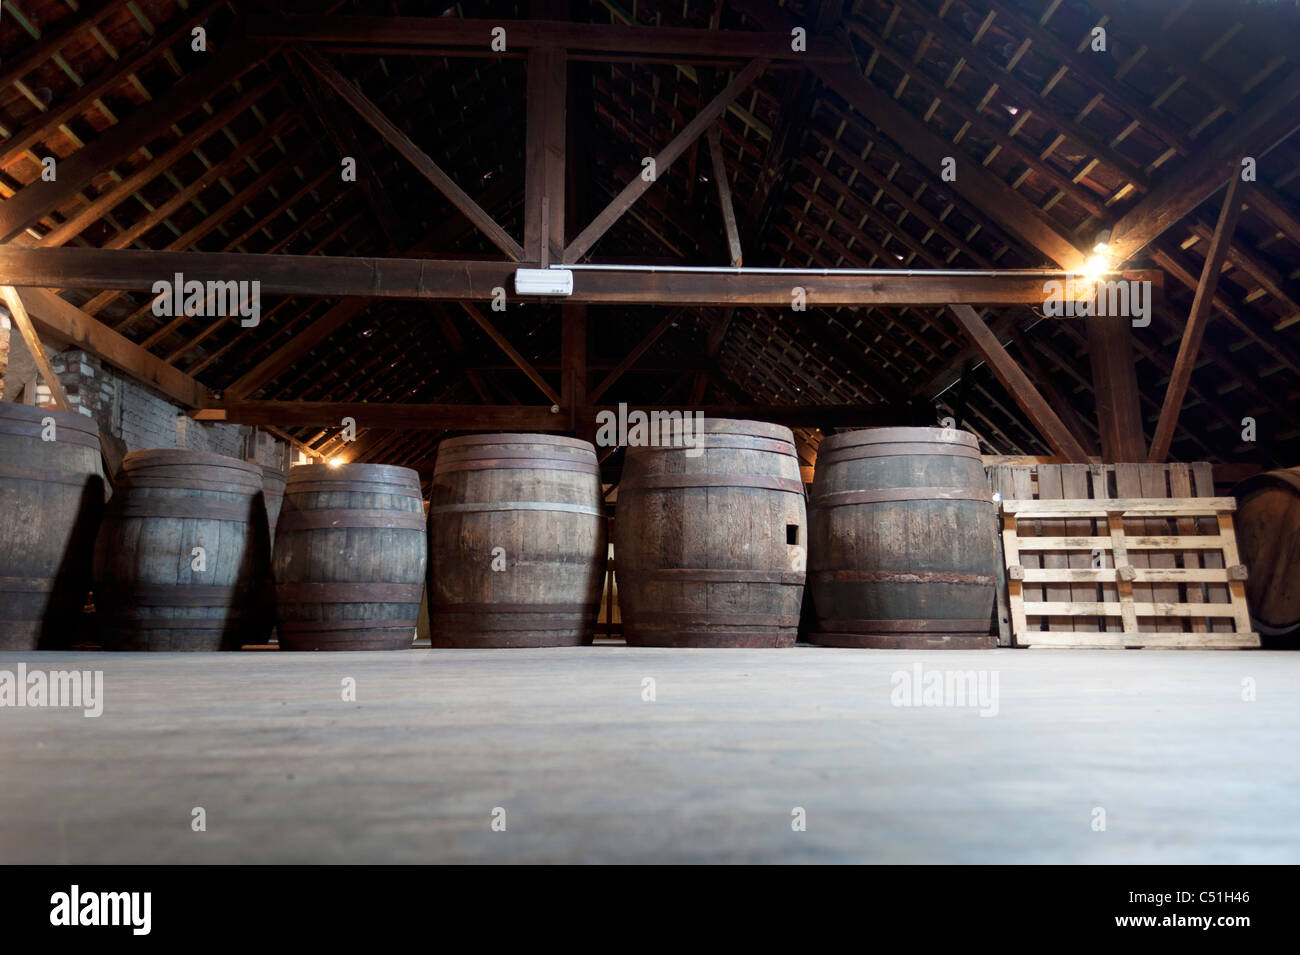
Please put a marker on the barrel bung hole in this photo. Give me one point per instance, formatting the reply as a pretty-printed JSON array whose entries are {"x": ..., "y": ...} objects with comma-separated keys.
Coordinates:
[{"x": 792, "y": 533}]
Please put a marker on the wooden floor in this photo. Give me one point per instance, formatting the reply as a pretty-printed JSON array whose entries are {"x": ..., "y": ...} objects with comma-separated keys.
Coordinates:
[{"x": 587, "y": 771}]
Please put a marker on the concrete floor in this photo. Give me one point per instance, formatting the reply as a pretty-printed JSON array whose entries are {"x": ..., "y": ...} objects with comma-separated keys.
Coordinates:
[{"x": 1186, "y": 771}]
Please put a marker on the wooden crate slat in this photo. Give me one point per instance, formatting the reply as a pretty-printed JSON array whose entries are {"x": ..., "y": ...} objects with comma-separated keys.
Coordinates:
[
  {"x": 1127, "y": 506},
  {"x": 1143, "y": 575},
  {"x": 1175, "y": 542},
  {"x": 1141, "y": 608},
  {"x": 1118, "y": 641}
]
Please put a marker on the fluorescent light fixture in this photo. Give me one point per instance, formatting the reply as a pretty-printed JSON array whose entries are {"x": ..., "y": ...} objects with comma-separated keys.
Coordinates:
[{"x": 544, "y": 281}]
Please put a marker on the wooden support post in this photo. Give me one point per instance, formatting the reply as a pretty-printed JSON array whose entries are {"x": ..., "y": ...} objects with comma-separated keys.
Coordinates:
[
  {"x": 18, "y": 313},
  {"x": 1194, "y": 331},
  {"x": 573, "y": 361},
  {"x": 1115, "y": 389},
  {"x": 1018, "y": 385},
  {"x": 544, "y": 198}
]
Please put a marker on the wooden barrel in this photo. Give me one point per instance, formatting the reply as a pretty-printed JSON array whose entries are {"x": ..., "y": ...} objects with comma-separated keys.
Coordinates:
[
  {"x": 349, "y": 558},
  {"x": 1268, "y": 542},
  {"x": 710, "y": 541},
  {"x": 902, "y": 545},
  {"x": 153, "y": 589},
  {"x": 516, "y": 541},
  {"x": 51, "y": 499}
]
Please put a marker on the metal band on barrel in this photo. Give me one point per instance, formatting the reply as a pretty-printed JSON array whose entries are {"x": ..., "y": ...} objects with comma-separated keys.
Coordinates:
[
  {"x": 886, "y": 495},
  {"x": 329, "y": 518},
  {"x": 517, "y": 506}
]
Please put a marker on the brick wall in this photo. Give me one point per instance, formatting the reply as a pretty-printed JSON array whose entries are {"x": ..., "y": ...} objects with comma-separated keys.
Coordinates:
[{"x": 143, "y": 418}]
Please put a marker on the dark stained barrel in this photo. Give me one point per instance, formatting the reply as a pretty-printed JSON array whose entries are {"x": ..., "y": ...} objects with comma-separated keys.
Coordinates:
[
  {"x": 153, "y": 591},
  {"x": 349, "y": 558},
  {"x": 709, "y": 548},
  {"x": 902, "y": 547},
  {"x": 516, "y": 541},
  {"x": 51, "y": 498},
  {"x": 1268, "y": 541}
]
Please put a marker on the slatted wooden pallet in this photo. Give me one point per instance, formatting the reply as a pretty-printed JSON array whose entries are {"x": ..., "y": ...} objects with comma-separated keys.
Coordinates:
[{"x": 1129, "y": 567}]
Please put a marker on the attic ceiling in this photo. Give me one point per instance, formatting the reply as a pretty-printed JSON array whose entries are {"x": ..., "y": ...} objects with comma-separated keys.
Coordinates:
[{"x": 1014, "y": 87}]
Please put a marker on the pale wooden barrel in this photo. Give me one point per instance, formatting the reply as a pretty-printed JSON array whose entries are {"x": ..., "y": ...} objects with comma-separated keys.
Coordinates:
[
  {"x": 902, "y": 547},
  {"x": 152, "y": 591},
  {"x": 349, "y": 558},
  {"x": 516, "y": 541},
  {"x": 51, "y": 500},
  {"x": 709, "y": 550}
]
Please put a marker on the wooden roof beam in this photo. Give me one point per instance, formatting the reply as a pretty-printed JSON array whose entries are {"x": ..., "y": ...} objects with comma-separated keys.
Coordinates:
[
  {"x": 473, "y": 280},
  {"x": 687, "y": 43},
  {"x": 1196, "y": 322},
  {"x": 386, "y": 128}
]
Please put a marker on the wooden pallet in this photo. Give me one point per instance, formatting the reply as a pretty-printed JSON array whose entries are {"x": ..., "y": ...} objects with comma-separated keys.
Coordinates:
[{"x": 1129, "y": 566}]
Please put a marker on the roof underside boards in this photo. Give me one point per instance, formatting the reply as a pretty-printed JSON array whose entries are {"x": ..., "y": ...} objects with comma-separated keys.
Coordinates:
[{"x": 1013, "y": 87}]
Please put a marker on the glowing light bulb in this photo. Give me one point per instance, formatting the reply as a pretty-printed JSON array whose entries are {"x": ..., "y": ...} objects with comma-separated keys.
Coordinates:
[{"x": 336, "y": 462}]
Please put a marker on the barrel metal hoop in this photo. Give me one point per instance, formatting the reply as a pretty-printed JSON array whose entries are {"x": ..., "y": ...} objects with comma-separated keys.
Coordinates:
[
  {"x": 511, "y": 608},
  {"x": 353, "y": 487},
  {"x": 48, "y": 476},
  {"x": 131, "y": 481},
  {"x": 490, "y": 452},
  {"x": 901, "y": 577},
  {"x": 753, "y": 481},
  {"x": 189, "y": 508},
  {"x": 859, "y": 452},
  {"x": 675, "y": 619},
  {"x": 517, "y": 506},
  {"x": 325, "y": 625},
  {"x": 330, "y": 518},
  {"x": 127, "y": 595},
  {"x": 64, "y": 434},
  {"x": 554, "y": 440},
  {"x": 886, "y": 495},
  {"x": 519, "y": 463},
  {"x": 26, "y": 585},
  {"x": 903, "y": 626},
  {"x": 709, "y": 576},
  {"x": 303, "y": 592},
  {"x": 721, "y": 442}
]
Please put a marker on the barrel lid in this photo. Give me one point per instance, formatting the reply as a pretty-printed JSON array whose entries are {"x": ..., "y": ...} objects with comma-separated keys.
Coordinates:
[
  {"x": 34, "y": 414},
  {"x": 866, "y": 436},
  {"x": 516, "y": 437},
  {"x": 753, "y": 429},
  {"x": 363, "y": 473},
  {"x": 137, "y": 461}
]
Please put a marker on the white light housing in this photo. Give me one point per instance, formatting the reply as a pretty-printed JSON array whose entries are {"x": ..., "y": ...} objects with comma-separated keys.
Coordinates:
[{"x": 543, "y": 282}]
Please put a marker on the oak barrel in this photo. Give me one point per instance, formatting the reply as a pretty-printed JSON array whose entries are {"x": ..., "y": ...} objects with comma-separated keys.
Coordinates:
[
  {"x": 1268, "y": 542},
  {"x": 902, "y": 541},
  {"x": 349, "y": 557},
  {"x": 516, "y": 541},
  {"x": 51, "y": 498},
  {"x": 154, "y": 588},
  {"x": 709, "y": 542}
]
